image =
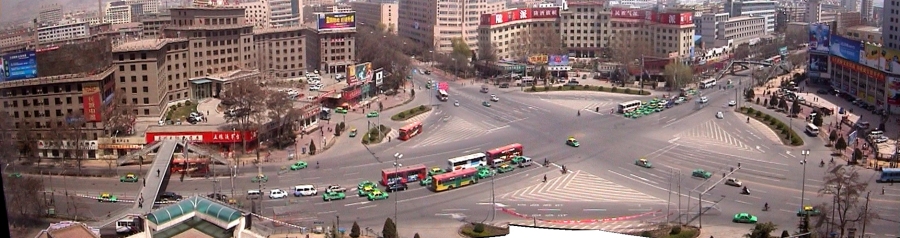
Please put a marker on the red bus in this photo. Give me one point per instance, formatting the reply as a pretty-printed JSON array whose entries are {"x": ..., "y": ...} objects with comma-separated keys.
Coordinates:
[
  {"x": 504, "y": 154},
  {"x": 193, "y": 167},
  {"x": 410, "y": 131},
  {"x": 406, "y": 174}
]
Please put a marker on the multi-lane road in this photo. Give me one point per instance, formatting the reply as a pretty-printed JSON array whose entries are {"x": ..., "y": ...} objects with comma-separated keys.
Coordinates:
[{"x": 602, "y": 181}]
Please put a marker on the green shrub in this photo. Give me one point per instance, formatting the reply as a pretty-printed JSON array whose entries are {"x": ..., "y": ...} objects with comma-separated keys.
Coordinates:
[
  {"x": 478, "y": 228},
  {"x": 600, "y": 88},
  {"x": 795, "y": 141},
  {"x": 627, "y": 90},
  {"x": 646, "y": 234},
  {"x": 614, "y": 89},
  {"x": 178, "y": 105},
  {"x": 779, "y": 126},
  {"x": 401, "y": 115},
  {"x": 675, "y": 230},
  {"x": 421, "y": 107},
  {"x": 188, "y": 103},
  {"x": 759, "y": 113},
  {"x": 750, "y": 110},
  {"x": 767, "y": 117},
  {"x": 571, "y": 87}
]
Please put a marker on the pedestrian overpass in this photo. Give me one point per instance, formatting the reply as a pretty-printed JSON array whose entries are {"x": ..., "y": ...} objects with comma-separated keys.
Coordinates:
[
  {"x": 157, "y": 176},
  {"x": 745, "y": 64}
]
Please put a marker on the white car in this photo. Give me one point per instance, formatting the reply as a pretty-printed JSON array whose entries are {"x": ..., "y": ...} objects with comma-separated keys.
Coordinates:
[
  {"x": 494, "y": 98},
  {"x": 703, "y": 100},
  {"x": 720, "y": 115},
  {"x": 880, "y": 139},
  {"x": 731, "y": 103},
  {"x": 734, "y": 182},
  {"x": 277, "y": 193}
]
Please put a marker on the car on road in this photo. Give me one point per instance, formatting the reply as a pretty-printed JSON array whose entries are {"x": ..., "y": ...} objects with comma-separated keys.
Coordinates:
[
  {"x": 353, "y": 132},
  {"x": 732, "y": 103},
  {"x": 486, "y": 104},
  {"x": 426, "y": 181},
  {"x": 734, "y": 182},
  {"x": 643, "y": 163},
  {"x": 340, "y": 110},
  {"x": 504, "y": 85},
  {"x": 521, "y": 161},
  {"x": 259, "y": 178},
  {"x": 366, "y": 190},
  {"x": 218, "y": 196},
  {"x": 494, "y": 98},
  {"x": 703, "y": 100},
  {"x": 170, "y": 196},
  {"x": 427, "y": 72},
  {"x": 505, "y": 168},
  {"x": 299, "y": 165},
  {"x": 364, "y": 184},
  {"x": 572, "y": 142},
  {"x": 700, "y": 173},
  {"x": 720, "y": 115},
  {"x": 335, "y": 189},
  {"x": 372, "y": 114},
  {"x": 277, "y": 193},
  {"x": 484, "y": 172},
  {"x": 393, "y": 187},
  {"x": 435, "y": 171},
  {"x": 107, "y": 197},
  {"x": 811, "y": 210},
  {"x": 328, "y": 196},
  {"x": 129, "y": 178},
  {"x": 377, "y": 195},
  {"x": 744, "y": 218},
  {"x": 880, "y": 139}
]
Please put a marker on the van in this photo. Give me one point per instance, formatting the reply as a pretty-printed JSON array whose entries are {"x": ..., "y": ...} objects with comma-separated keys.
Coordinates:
[
  {"x": 254, "y": 193},
  {"x": 484, "y": 88},
  {"x": 812, "y": 130},
  {"x": 305, "y": 190},
  {"x": 876, "y": 134}
]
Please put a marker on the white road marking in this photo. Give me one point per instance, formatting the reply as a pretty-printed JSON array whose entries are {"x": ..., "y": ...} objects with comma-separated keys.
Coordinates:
[
  {"x": 593, "y": 210},
  {"x": 369, "y": 206},
  {"x": 455, "y": 209},
  {"x": 673, "y": 140},
  {"x": 739, "y": 201},
  {"x": 320, "y": 213},
  {"x": 356, "y": 203}
]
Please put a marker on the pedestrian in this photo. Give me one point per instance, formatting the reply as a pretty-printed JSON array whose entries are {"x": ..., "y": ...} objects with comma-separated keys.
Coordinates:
[
  {"x": 882, "y": 190},
  {"x": 157, "y": 172},
  {"x": 389, "y": 139}
]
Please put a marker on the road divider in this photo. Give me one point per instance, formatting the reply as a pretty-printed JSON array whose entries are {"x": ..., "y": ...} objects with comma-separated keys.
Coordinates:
[{"x": 582, "y": 221}]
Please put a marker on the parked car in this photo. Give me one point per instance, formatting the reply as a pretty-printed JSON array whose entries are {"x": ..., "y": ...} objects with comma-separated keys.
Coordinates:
[
  {"x": 170, "y": 196},
  {"x": 277, "y": 194},
  {"x": 396, "y": 187}
]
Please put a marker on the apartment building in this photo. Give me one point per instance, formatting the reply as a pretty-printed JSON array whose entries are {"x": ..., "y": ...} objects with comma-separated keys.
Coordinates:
[
  {"x": 521, "y": 36},
  {"x": 256, "y": 13},
  {"x": 436, "y": 23},
  {"x": 754, "y": 8},
  {"x": 377, "y": 12},
  {"x": 15, "y": 40},
  {"x": 63, "y": 32},
  {"x": 865, "y": 34},
  {"x": 50, "y": 14},
  {"x": 331, "y": 51},
  {"x": 891, "y": 16},
  {"x": 151, "y": 73},
  {"x": 117, "y": 12},
  {"x": 585, "y": 28},
  {"x": 285, "y": 13},
  {"x": 709, "y": 27},
  {"x": 670, "y": 34},
  {"x": 146, "y": 6},
  {"x": 281, "y": 50},
  {"x": 153, "y": 25},
  {"x": 722, "y": 29},
  {"x": 219, "y": 38}
]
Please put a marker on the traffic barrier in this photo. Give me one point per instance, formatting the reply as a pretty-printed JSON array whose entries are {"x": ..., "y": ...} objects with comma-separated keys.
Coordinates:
[
  {"x": 582, "y": 221},
  {"x": 278, "y": 222},
  {"x": 97, "y": 198}
]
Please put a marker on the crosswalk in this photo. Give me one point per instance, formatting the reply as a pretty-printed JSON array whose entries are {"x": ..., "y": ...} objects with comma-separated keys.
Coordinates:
[
  {"x": 420, "y": 117},
  {"x": 625, "y": 227},
  {"x": 710, "y": 133},
  {"x": 453, "y": 129},
  {"x": 579, "y": 186},
  {"x": 587, "y": 104}
]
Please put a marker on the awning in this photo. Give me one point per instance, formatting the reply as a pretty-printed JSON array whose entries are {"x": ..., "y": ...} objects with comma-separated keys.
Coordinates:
[{"x": 201, "y": 81}]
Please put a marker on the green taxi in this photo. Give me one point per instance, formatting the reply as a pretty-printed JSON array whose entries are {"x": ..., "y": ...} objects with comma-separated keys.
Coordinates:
[
  {"x": 426, "y": 181},
  {"x": 299, "y": 165},
  {"x": 643, "y": 163},
  {"x": 521, "y": 161},
  {"x": 435, "y": 171},
  {"x": 486, "y": 104},
  {"x": 340, "y": 110},
  {"x": 505, "y": 168},
  {"x": 744, "y": 218},
  {"x": 328, "y": 196},
  {"x": 107, "y": 197},
  {"x": 572, "y": 142},
  {"x": 366, "y": 183},
  {"x": 367, "y": 189},
  {"x": 377, "y": 195},
  {"x": 485, "y": 173},
  {"x": 259, "y": 178},
  {"x": 129, "y": 178},
  {"x": 700, "y": 173},
  {"x": 428, "y": 85},
  {"x": 372, "y": 114},
  {"x": 812, "y": 211}
]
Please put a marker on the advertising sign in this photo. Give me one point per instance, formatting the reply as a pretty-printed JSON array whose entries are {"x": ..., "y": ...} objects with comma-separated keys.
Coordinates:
[
  {"x": 90, "y": 100},
  {"x": 443, "y": 86},
  {"x": 203, "y": 137},
  {"x": 819, "y": 36},
  {"x": 862, "y": 69},
  {"x": 558, "y": 60},
  {"x": 359, "y": 73},
  {"x": 684, "y": 18},
  {"x": 893, "y": 91},
  {"x": 538, "y": 59},
  {"x": 879, "y": 58},
  {"x": 337, "y": 21},
  {"x": 846, "y": 48},
  {"x": 518, "y": 15},
  {"x": 379, "y": 76},
  {"x": 629, "y": 13},
  {"x": 818, "y": 63},
  {"x": 783, "y": 51},
  {"x": 15, "y": 66}
]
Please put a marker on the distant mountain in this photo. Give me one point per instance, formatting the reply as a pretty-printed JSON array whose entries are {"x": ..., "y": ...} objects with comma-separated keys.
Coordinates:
[{"x": 19, "y": 11}]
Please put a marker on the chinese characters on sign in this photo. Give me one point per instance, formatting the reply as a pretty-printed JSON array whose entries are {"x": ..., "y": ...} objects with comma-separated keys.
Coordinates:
[
  {"x": 90, "y": 99},
  {"x": 672, "y": 18},
  {"x": 628, "y": 13},
  {"x": 203, "y": 137},
  {"x": 519, "y": 14},
  {"x": 873, "y": 73}
]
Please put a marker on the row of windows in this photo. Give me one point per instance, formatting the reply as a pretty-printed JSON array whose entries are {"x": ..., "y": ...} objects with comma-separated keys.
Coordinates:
[
  {"x": 41, "y": 90},
  {"x": 36, "y": 102}
]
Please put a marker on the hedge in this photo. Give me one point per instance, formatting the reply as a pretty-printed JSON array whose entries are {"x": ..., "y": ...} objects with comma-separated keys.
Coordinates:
[
  {"x": 785, "y": 131},
  {"x": 588, "y": 88},
  {"x": 410, "y": 113},
  {"x": 373, "y": 137}
]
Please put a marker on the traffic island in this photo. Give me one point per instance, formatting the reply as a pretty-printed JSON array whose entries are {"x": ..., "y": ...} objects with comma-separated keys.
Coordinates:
[
  {"x": 410, "y": 113},
  {"x": 536, "y": 89},
  {"x": 787, "y": 134},
  {"x": 475, "y": 230},
  {"x": 670, "y": 231},
  {"x": 375, "y": 135}
]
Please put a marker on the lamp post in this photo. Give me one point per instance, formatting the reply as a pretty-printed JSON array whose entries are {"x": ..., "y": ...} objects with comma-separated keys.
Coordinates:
[
  {"x": 805, "y": 153},
  {"x": 233, "y": 173},
  {"x": 397, "y": 157},
  {"x": 432, "y": 58}
]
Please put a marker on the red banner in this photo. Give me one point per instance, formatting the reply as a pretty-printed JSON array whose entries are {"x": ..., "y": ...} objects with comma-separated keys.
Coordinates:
[
  {"x": 351, "y": 94},
  {"x": 91, "y": 101},
  {"x": 206, "y": 137},
  {"x": 873, "y": 73},
  {"x": 629, "y": 13},
  {"x": 519, "y": 14},
  {"x": 684, "y": 18}
]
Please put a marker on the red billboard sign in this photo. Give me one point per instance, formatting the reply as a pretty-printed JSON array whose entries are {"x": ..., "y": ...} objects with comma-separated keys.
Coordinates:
[
  {"x": 90, "y": 101},
  {"x": 683, "y": 18},
  {"x": 519, "y": 14},
  {"x": 629, "y": 13},
  {"x": 206, "y": 137},
  {"x": 863, "y": 69}
]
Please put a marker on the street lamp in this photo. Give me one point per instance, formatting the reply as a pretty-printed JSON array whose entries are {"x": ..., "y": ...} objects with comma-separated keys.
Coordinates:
[
  {"x": 805, "y": 153},
  {"x": 397, "y": 157}
]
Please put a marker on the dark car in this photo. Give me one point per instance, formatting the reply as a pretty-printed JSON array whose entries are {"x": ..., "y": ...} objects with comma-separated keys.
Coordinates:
[
  {"x": 169, "y": 196},
  {"x": 396, "y": 187},
  {"x": 218, "y": 196},
  {"x": 822, "y": 91},
  {"x": 504, "y": 85}
]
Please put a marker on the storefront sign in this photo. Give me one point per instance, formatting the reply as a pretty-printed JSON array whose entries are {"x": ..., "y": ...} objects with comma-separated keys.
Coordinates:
[
  {"x": 121, "y": 142},
  {"x": 537, "y": 59},
  {"x": 873, "y": 73},
  {"x": 518, "y": 15},
  {"x": 207, "y": 137},
  {"x": 67, "y": 145}
]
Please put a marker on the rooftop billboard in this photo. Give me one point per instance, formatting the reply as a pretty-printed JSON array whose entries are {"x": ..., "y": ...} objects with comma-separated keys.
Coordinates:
[
  {"x": 16, "y": 66},
  {"x": 519, "y": 14},
  {"x": 336, "y": 21}
]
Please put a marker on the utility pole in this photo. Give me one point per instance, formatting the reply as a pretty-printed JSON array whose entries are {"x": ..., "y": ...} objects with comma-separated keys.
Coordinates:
[
  {"x": 865, "y": 214},
  {"x": 679, "y": 196},
  {"x": 700, "y": 194}
]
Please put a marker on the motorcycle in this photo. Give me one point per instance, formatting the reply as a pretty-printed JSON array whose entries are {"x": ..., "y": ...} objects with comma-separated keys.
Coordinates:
[
  {"x": 456, "y": 104},
  {"x": 745, "y": 191}
]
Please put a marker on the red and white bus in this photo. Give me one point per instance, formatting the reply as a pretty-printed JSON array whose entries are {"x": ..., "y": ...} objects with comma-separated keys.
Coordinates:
[
  {"x": 405, "y": 174},
  {"x": 504, "y": 154},
  {"x": 191, "y": 167},
  {"x": 410, "y": 131}
]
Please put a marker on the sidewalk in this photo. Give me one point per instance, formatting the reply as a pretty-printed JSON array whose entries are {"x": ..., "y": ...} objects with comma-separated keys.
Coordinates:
[{"x": 726, "y": 232}]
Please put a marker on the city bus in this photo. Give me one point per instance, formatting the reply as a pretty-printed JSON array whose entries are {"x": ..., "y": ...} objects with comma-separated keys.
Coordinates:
[
  {"x": 889, "y": 175},
  {"x": 410, "y": 131},
  {"x": 708, "y": 83},
  {"x": 628, "y": 106},
  {"x": 466, "y": 162},
  {"x": 405, "y": 174},
  {"x": 497, "y": 156},
  {"x": 191, "y": 167},
  {"x": 455, "y": 179},
  {"x": 442, "y": 95},
  {"x": 774, "y": 60}
]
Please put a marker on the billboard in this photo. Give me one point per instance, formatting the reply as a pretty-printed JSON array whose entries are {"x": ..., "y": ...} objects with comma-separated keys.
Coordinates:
[
  {"x": 337, "y": 21},
  {"x": 518, "y": 15},
  {"x": 856, "y": 67},
  {"x": 683, "y": 18},
  {"x": 818, "y": 63},
  {"x": 629, "y": 13},
  {"x": 15, "y": 66},
  {"x": 359, "y": 73},
  {"x": 558, "y": 60},
  {"x": 893, "y": 91},
  {"x": 879, "y": 58},
  {"x": 783, "y": 51},
  {"x": 538, "y": 59},
  {"x": 819, "y": 36},
  {"x": 846, "y": 48},
  {"x": 90, "y": 101},
  {"x": 206, "y": 137},
  {"x": 379, "y": 76}
]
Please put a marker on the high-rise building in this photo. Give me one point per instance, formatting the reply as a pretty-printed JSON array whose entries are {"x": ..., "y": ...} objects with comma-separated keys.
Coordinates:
[
  {"x": 722, "y": 30},
  {"x": 147, "y": 6},
  {"x": 850, "y": 5},
  {"x": 891, "y": 35},
  {"x": 232, "y": 47},
  {"x": 865, "y": 10},
  {"x": 754, "y": 8},
  {"x": 377, "y": 12},
  {"x": 584, "y": 27},
  {"x": 256, "y": 13},
  {"x": 518, "y": 38},
  {"x": 436, "y": 23},
  {"x": 117, "y": 12},
  {"x": 63, "y": 32},
  {"x": 50, "y": 14},
  {"x": 273, "y": 13}
]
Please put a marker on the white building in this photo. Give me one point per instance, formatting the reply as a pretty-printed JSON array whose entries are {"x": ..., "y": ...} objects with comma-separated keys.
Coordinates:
[
  {"x": 436, "y": 23},
  {"x": 272, "y": 13},
  {"x": 147, "y": 6},
  {"x": 117, "y": 12},
  {"x": 754, "y": 8},
  {"x": 63, "y": 32},
  {"x": 374, "y": 13},
  {"x": 722, "y": 30},
  {"x": 50, "y": 14}
]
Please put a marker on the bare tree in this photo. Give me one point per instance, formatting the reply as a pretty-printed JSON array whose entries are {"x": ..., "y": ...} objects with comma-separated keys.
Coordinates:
[
  {"x": 798, "y": 60},
  {"x": 848, "y": 189},
  {"x": 487, "y": 53},
  {"x": 678, "y": 75},
  {"x": 120, "y": 117},
  {"x": 7, "y": 138},
  {"x": 387, "y": 51},
  {"x": 243, "y": 101},
  {"x": 280, "y": 108},
  {"x": 742, "y": 51},
  {"x": 795, "y": 38},
  {"x": 537, "y": 41},
  {"x": 27, "y": 140},
  {"x": 627, "y": 49},
  {"x": 74, "y": 138},
  {"x": 23, "y": 200}
]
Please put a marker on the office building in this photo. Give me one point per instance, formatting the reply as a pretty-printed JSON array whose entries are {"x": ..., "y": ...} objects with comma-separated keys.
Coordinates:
[
  {"x": 15, "y": 40},
  {"x": 220, "y": 36},
  {"x": 146, "y": 6},
  {"x": 50, "y": 14},
  {"x": 281, "y": 50},
  {"x": 285, "y": 13},
  {"x": 891, "y": 16},
  {"x": 850, "y": 5},
  {"x": 435, "y": 23},
  {"x": 866, "y": 10},
  {"x": 669, "y": 34},
  {"x": 846, "y": 20},
  {"x": 153, "y": 24},
  {"x": 754, "y": 8},
  {"x": 256, "y": 13},
  {"x": 152, "y": 73},
  {"x": 865, "y": 34},
  {"x": 518, "y": 38},
  {"x": 117, "y": 12},
  {"x": 64, "y": 32},
  {"x": 735, "y": 31},
  {"x": 584, "y": 28},
  {"x": 374, "y": 13}
]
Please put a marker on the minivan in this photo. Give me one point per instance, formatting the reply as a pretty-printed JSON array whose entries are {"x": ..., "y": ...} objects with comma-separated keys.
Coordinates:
[
  {"x": 254, "y": 193},
  {"x": 305, "y": 190},
  {"x": 812, "y": 130}
]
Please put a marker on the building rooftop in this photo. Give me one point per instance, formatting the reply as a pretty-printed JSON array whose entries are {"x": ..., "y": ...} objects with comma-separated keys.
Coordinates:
[
  {"x": 866, "y": 28},
  {"x": 69, "y": 229},
  {"x": 145, "y": 44},
  {"x": 67, "y": 78},
  {"x": 194, "y": 204},
  {"x": 257, "y": 31},
  {"x": 183, "y": 128},
  {"x": 116, "y": 27}
]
